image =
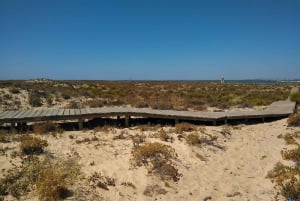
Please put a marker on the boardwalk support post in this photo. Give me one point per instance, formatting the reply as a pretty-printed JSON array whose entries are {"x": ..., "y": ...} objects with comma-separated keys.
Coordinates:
[
  {"x": 214, "y": 123},
  {"x": 225, "y": 121},
  {"x": 80, "y": 124},
  {"x": 127, "y": 120},
  {"x": 176, "y": 121}
]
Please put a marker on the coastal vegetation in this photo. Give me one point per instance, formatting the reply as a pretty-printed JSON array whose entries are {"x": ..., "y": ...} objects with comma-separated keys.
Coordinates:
[{"x": 177, "y": 95}]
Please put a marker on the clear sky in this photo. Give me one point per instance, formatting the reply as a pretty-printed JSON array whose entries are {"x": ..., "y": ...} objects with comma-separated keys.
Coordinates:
[{"x": 149, "y": 39}]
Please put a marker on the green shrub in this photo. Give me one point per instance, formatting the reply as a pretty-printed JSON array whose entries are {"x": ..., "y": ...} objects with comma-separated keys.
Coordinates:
[
  {"x": 33, "y": 145},
  {"x": 20, "y": 180},
  {"x": 35, "y": 100},
  {"x": 296, "y": 97}
]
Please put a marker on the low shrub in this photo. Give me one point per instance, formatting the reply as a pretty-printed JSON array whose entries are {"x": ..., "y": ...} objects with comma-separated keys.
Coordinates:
[
  {"x": 294, "y": 120},
  {"x": 158, "y": 158},
  {"x": 296, "y": 97},
  {"x": 14, "y": 90},
  {"x": 184, "y": 127},
  {"x": 4, "y": 136},
  {"x": 98, "y": 180},
  {"x": 35, "y": 100},
  {"x": 21, "y": 179},
  {"x": 48, "y": 127},
  {"x": 54, "y": 181},
  {"x": 33, "y": 145},
  {"x": 193, "y": 139},
  {"x": 293, "y": 155}
]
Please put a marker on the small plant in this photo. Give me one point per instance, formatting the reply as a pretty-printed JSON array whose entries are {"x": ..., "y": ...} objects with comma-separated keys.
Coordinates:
[
  {"x": 33, "y": 145},
  {"x": 289, "y": 138},
  {"x": 54, "y": 181},
  {"x": 14, "y": 90},
  {"x": 294, "y": 120},
  {"x": 184, "y": 127},
  {"x": 192, "y": 139},
  {"x": 35, "y": 100},
  {"x": 153, "y": 190},
  {"x": 98, "y": 180},
  {"x": 158, "y": 158},
  {"x": 293, "y": 155},
  {"x": 4, "y": 136},
  {"x": 164, "y": 136}
]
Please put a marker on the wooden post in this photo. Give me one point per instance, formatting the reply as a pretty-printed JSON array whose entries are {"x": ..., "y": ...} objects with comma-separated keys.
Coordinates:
[
  {"x": 214, "y": 123},
  {"x": 127, "y": 120},
  {"x": 263, "y": 119},
  {"x": 176, "y": 121},
  {"x": 225, "y": 121},
  {"x": 80, "y": 124}
]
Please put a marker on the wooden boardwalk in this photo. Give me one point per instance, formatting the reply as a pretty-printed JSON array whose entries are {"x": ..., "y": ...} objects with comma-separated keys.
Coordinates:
[{"x": 277, "y": 109}]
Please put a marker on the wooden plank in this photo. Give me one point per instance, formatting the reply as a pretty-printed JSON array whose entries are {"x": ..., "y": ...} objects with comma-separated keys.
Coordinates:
[
  {"x": 43, "y": 113},
  {"x": 77, "y": 112},
  {"x": 26, "y": 114},
  {"x": 60, "y": 112},
  {"x": 19, "y": 115},
  {"x": 3, "y": 115},
  {"x": 72, "y": 112},
  {"x": 29, "y": 115},
  {"x": 12, "y": 114},
  {"x": 37, "y": 113},
  {"x": 49, "y": 111},
  {"x": 66, "y": 112},
  {"x": 83, "y": 111},
  {"x": 54, "y": 112}
]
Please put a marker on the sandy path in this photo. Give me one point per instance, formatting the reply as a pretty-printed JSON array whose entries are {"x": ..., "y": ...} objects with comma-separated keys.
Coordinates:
[{"x": 238, "y": 173}]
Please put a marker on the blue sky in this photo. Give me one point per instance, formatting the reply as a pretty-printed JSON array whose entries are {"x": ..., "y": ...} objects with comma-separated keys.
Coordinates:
[{"x": 153, "y": 39}]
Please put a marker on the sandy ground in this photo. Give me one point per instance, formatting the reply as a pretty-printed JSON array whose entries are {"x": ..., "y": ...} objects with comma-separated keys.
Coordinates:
[{"x": 236, "y": 172}]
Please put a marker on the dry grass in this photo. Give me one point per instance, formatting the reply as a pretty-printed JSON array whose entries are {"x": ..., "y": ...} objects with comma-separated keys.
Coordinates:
[
  {"x": 287, "y": 178},
  {"x": 157, "y": 158},
  {"x": 100, "y": 181},
  {"x": 184, "y": 127},
  {"x": 294, "y": 120},
  {"x": 33, "y": 145},
  {"x": 47, "y": 127}
]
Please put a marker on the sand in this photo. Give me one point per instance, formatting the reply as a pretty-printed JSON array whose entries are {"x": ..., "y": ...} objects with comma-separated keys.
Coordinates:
[{"x": 235, "y": 172}]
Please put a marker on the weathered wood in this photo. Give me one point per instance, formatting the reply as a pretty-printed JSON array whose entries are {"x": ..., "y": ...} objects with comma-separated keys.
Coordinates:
[
  {"x": 72, "y": 112},
  {"x": 276, "y": 109},
  {"x": 60, "y": 112},
  {"x": 12, "y": 113},
  {"x": 66, "y": 112}
]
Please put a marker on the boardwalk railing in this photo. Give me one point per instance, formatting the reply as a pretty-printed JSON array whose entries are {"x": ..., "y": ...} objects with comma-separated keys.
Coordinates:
[{"x": 276, "y": 109}]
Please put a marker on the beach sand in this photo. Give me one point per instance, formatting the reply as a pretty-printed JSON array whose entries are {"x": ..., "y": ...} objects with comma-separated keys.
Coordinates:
[{"x": 233, "y": 170}]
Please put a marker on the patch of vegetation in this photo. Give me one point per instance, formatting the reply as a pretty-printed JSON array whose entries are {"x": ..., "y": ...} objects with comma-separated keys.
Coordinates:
[
  {"x": 287, "y": 178},
  {"x": 289, "y": 138},
  {"x": 157, "y": 158},
  {"x": 54, "y": 181},
  {"x": 4, "y": 136},
  {"x": 296, "y": 97},
  {"x": 47, "y": 127},
  {"x": 153, "y": 190},
  {"x": 49, "y": 178},
  {"x": 100, "y": 181},
  {"x": 14, "y": 90},
  {"x": 33, "y": 145},
  {"x": 294, "y": 120},
  {"x": 184, "y": 127},
  {"x": 35, "y": 100}
]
